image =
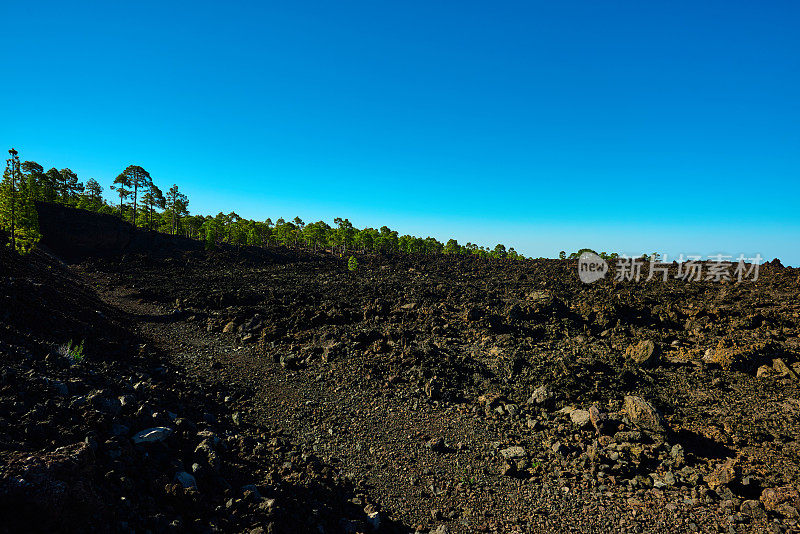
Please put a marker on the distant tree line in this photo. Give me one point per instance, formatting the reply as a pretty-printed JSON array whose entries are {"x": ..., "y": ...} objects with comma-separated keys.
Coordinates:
[
  {"x": 655, "y": 256},
  {"x": 136, "y": 198}
]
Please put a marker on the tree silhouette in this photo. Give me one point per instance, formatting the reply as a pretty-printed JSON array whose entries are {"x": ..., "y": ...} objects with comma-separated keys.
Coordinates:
[
  {"x": 94, "y": 191},
  {"x": 68, "y": 183},
  {"x": 177, "y": 203},
  {"x": 12, "y": 170},
  {"x": 138, "y": 178},
  {"x": 152, "y": 199},
  {"x": 17, "y": 211},
  {"x": 122, "y": 183}
]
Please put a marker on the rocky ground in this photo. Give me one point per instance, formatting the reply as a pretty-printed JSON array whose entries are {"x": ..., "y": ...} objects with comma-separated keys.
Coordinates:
[{"x": 278, "y": 392}]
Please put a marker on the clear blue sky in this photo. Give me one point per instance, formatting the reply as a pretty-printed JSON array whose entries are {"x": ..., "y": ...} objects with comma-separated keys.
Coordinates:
[{"x": 623, "y": 126}]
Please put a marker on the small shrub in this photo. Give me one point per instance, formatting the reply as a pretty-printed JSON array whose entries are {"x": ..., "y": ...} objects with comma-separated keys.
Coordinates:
[
  {"x": 724, "y": 355},
  {"x": 74, "y": 353},
  {"x": 352, "y": 264}
]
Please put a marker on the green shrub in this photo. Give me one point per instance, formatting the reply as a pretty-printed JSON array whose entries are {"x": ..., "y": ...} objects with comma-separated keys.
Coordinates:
[
  {"x": 352, "y": 264},
  {"x": 72, "y": 352}
]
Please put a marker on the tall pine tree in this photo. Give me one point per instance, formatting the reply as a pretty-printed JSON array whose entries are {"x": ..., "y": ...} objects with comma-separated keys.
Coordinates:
[{"x": 17, "y": 211}]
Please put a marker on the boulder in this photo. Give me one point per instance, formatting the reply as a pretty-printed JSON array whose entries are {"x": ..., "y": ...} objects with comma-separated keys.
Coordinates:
[
  {"x": 581, "y": 418},
  {"x": 643, "y": 354},
  {"x": 644, "y": 415}
]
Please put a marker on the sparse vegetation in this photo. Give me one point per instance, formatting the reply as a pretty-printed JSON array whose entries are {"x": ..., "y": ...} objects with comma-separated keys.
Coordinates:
[
  {"x": 352, "y": 264},
  {"x": 74, "y": 353}
]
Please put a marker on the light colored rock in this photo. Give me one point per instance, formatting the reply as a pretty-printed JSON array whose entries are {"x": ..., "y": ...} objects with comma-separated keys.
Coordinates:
[
  {"x": 644, "y": 415},
  {"x": 152, "y": 435},
  {"x": 230, "y": 327},
  {"x": 581, "y": 418},
  {"x": 513, "y": 453},
  {"x": 541, "y": 396},
  {"x": 764, "y": 371}
]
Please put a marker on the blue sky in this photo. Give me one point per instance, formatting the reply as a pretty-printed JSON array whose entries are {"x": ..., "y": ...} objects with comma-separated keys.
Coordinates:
[{"x": 622, "y": 126}]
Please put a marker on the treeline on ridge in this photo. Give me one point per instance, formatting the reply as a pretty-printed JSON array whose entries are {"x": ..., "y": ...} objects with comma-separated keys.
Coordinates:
[{"x": 137, "y": 199}]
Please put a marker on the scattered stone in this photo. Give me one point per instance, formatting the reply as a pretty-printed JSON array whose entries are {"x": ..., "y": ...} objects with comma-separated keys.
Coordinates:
[
  {"x": 773, "y": 498},
  {"x": 644, "y": 415},
  {"x": 542, "y": 396},
  {"x": 643, "y": 354},
  {"x": 253, "y": 491},
  {"x": 230, "y": 327},
  {"x": 678, "y": 455},
  {"x": 725, "y": 473},
  {"x": 513, "y": 453},
  {"x": 765, "y": 371},
  {"x": 599, "y": 419},
  {"x": 632, "y": 436},
  {"x": 753, "y": 509},
  {"x": 581, "y": 418},
  {"x": 784, "y": 370},
  {"x": 152, "y": 435}
]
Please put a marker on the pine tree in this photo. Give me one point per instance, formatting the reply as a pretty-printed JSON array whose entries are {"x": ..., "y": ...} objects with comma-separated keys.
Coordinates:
[
  {"x": 177, "y": 203},
  {"x": 17, "y": 211},
  {"x": 94, "y": 191},
  {"x": 139, "y": 179},
  {"x": 121, "y": 185}
]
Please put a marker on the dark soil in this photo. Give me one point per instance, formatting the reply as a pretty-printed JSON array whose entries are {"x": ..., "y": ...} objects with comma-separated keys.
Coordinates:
[{"x": 440, "y": 394}]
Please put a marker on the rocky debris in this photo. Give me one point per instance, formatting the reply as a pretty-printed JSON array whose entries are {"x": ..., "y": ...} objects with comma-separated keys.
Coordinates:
[
  {"x": 643, "y": 354},
  {"x": 765, "y": 371},
  {"x": 753, "y": 509},
  {"x": 186, "y": 480},
  {"x": 784, "y": 370},
  {"x": 347, "y": 385},
  {"x": 784, "y": 500},
  {"x": 725, "y": 473},
  {"x": 49, "y": 488},
  {"x": 644, "y": 415},
  {"x": 229, "y": 327}
]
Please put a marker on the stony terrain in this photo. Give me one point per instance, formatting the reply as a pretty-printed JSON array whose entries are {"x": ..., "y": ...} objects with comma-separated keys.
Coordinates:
[{"x": 274, "y": 391}]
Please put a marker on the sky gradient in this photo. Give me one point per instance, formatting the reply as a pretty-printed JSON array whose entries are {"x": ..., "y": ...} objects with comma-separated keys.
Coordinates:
[{"x": 622, "y": 126}]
